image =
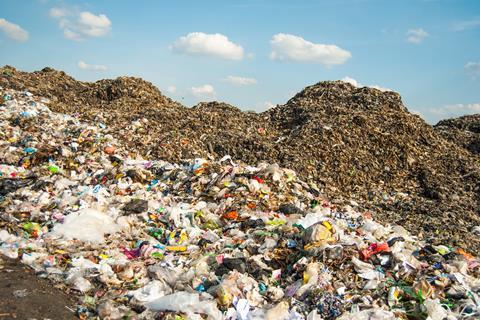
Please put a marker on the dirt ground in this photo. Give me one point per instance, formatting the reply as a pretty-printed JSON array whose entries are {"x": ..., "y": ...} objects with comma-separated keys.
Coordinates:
[{"x": 25, "y": 296}]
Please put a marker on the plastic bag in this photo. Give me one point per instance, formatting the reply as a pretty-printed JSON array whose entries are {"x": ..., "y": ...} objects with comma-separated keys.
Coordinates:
[
  {"x": 434, "y": 309},
  {"x": 150, "y": 292},
  {"x": 87, "y": 225},
  {"x": 188, "y": 303},
  {"x": 370, "y": 314}
]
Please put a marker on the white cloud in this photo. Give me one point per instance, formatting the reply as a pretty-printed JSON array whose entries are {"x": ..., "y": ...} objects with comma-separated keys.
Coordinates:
[
  {"x": 375, "y": 86},
  {"x": 69, "y": 34},
  {"x": 205, "y": 91},
  {"x": 240, "y": 81},
  {"x": 435, "y": 114},
  {"x": 171, "y": 89},
  {"x": 352, "y": 81},
  {"x": 265, "y": 105},
  {"x": 473, "y": 69},
  {"x": 13, "y": 31},
  {"x": 57, "y": 12},
  {"x": 93, "y": 67},
  {"x": 456, "y": 109},
  {"x": 92, "y": 25},
  {"x": 467, "y": 24},
  {"x": 269, "y": 105},
  {"x": 80, "y": 25},
  {"x": 414, "y": 111},
  {"x": 416, "y": 35},
  {"x": 357, "y": 84},
  {"x": 214, "y": 45},
  {"x": 294, "y": 48}
]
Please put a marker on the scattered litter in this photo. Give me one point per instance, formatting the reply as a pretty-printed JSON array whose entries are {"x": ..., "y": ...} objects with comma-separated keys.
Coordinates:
[{"x": 136, "y": 237}]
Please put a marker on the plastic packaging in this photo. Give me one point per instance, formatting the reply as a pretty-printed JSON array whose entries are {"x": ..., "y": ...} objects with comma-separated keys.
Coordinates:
[
  {"x": 189, "y": 303},
  {"x": 86, "y": 225}
]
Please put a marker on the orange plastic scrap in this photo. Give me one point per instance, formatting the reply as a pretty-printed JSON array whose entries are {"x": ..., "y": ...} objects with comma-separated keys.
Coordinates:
[
  {"x": 238, "y": 241},
  {"x": 199, "y": 171},
  {"x": 251, "y": 205},
  {"x": 368, "y": 215},
  {"x": 231, "y": 215},
  {"x": 109, "y": 149},
  {"x": 465, "y": 254},
  {"x": 26, "y": 163}
]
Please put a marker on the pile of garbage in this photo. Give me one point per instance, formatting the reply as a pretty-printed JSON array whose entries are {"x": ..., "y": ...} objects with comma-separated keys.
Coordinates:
[
  {"x": 352, "y": 143},
  {"x": 141, "y": 238},
  {"x": 463, "y": 131},
  {"x": 386, "y": 158}
]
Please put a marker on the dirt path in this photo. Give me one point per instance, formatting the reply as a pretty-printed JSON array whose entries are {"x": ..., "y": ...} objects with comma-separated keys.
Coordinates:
[{"x": 25, "y": 296}]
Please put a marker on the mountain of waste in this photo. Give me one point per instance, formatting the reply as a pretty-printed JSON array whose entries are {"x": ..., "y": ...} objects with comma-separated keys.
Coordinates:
[
  {"x": 463, "y": 131},
  {"x": 133, "y": 237},
  {"x": 346, "y": 142}
]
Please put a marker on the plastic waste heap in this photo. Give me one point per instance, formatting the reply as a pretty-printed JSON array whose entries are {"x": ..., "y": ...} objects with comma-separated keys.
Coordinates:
[{"x": 142, "y": 238}]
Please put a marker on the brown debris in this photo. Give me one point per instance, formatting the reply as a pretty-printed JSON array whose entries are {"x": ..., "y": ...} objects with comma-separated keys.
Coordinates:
[{"x": 463, "y": 131}]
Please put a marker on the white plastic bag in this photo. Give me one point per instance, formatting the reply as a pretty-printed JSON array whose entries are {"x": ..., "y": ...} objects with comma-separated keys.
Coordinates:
[
  {"x": 150, "y": 292},
  {"x": 87, "y": 225},
  {"x": 370, "y": 314},
  {"x": 435, "y": 310},
  {"x": 186, "y": 302}
]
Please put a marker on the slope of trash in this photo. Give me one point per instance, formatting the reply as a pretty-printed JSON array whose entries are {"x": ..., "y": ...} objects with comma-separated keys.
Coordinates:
[
  {"x": 463, "y": 131},
  {"x": 142, "y": 238},
  {"x": 351, "y": 143},
  {"x": 388, "y": 158}
]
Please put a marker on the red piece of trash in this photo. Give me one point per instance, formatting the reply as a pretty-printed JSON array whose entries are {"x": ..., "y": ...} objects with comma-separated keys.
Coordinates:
[
  {"x": 259, "y": 180},
  {"x": 374, "y": 248}
]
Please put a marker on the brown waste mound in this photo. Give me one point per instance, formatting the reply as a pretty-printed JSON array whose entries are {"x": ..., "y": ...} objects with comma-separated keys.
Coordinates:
[
  {"x": 168, "y": 129},
  {"x": 364, "y": 142},
  {"x": 463, "y": 131},
  {"x": 350, "y": 142},
  {"x": 71, "y": 94},
  {"x": 368, "y": 138}
]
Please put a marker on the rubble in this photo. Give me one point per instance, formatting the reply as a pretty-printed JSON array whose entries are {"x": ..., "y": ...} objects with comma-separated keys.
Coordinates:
[{"x": 136, "y": 237}]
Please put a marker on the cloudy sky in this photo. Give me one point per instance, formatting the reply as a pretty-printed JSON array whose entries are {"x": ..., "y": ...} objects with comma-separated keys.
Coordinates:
[{"x": 255, "y": 54}]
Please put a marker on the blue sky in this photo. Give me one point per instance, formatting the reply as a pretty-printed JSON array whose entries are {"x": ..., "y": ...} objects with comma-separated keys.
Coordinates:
[{"x": 256, "y": 53}]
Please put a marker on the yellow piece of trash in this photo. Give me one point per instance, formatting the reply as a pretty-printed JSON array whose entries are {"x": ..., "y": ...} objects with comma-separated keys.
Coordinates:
[
  {"x": 306, "y": 277},
  {"x": 224, "y": 296},
  {"x": 276, "y": 222},
  {"x": 183, "y": 236},
  {"x": 327, "y": 225},
  {"x": 176, "y": 248}
]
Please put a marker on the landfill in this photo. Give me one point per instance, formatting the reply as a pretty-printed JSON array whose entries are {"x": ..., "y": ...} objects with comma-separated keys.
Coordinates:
[
  {"x": 463, "y": 131},
  {"x": 138, "y": 237},
  {"x": 357, "y": 144}
]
